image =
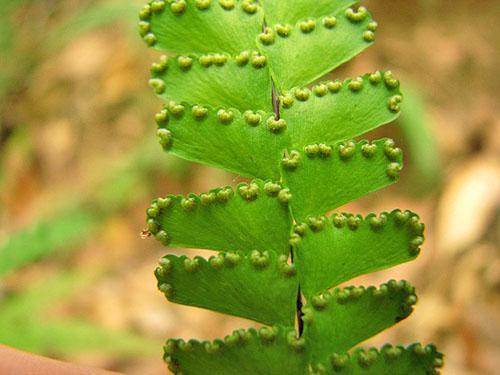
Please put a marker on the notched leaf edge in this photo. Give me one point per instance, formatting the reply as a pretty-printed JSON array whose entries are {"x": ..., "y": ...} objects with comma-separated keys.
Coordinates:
[
  {"x": 427, "y": 358},
  {"x": 405, "y": 220},
  {"x": 248, "y": 192},
  {"x": 350, "y": 294},
  {"x": 345, "y": 151}
]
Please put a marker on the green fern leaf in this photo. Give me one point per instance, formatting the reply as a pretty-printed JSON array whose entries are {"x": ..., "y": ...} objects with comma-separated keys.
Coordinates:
[
  {"x": 202, "y": 26},
  {"x": 354, "y": 314},
  {"x": 415, "y": 359},
  {"x": 324, "y": 177},
  {"x": 217, "y": 80},
  {"x": 333, "y": 250},
  {"x": 276, "y": 350},
  {"x": 224, "y": 219},
  {"x": 312, "y": 48},
  {"x": 270, "y": 350},
  {"x": 292, "y": 11},
  {"x": 335, "y": 111},
  {"x": 260, "y": 286},
  {"x": 246, "y": 143}
]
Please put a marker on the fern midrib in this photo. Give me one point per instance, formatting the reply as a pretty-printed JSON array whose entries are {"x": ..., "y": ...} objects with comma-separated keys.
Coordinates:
[{"x": 276, "y": 109}]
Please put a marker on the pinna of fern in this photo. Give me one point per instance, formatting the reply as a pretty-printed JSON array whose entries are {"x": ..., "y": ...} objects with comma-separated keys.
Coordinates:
[{"x": 243, "y": 92}]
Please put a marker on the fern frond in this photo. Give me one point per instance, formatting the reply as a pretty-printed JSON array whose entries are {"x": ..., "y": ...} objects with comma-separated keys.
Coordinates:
[
  {"x": 202, "y": 26},
  {"x": 292, "y": 11},
  {"x": 354, "y": 314},
  {"x": 276, "y": 350},
  {"x": 268, "y": 350},
  {"x": 332, "y": 250},
  {"x": 249, "y": 143},
  {"x": 242, "y": 82},
  {"x": 260, "y": 286},
  {"x": 415, "y": 359},
  {"x": 225, "y": 219},
  {"x": 311, "y": 48},
  {"x": 323, "y": 177},
  {"x": 239, "y": 96},
  {"x": 333, "y": 111}
]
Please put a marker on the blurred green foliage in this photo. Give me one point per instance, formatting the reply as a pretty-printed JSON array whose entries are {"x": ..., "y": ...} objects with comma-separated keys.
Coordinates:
[
  {"x": 26, "y": 324},
  {"x": 424, "y": 155},
  {"x": 20, "y": 55},
  {"x": 67, "y": 230},
  {"x": 77, "y": 219},
  {"x": 94, "y": 16},
  {"x": 24, "y": 44}
]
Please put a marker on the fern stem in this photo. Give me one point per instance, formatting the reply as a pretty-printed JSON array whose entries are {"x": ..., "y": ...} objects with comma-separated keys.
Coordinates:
[
  {"x": 276, "y": 110},
  {"x": 276, "y": 105},
  {"x": 300, "y": 314},
  {"x": 299, "y": 304}
]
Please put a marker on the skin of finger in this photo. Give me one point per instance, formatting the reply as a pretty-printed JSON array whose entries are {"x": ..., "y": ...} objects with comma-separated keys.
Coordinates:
[{"x": 14, "y": 362}]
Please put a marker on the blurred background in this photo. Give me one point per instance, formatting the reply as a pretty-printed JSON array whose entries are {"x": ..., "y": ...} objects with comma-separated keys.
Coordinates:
[{"x": 79, "y": 163}]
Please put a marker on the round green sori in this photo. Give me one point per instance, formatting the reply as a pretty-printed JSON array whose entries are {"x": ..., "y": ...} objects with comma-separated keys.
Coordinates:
[{"x": 238, "y": 94}]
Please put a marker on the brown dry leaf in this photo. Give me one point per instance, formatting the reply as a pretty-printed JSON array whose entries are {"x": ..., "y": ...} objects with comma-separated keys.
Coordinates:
[
  {"x": 469, "y": 275},
  {"x": 468, "y": 205}
]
